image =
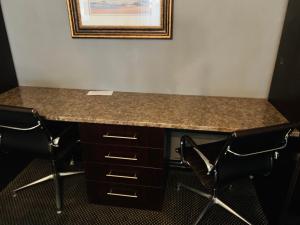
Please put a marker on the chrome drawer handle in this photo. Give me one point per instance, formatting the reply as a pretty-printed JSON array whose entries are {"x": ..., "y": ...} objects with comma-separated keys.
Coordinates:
[
  {"x": 107, "y": 135},
  {"x": 110, "y": 174},
  {"x": 134, "y": 158},
  {"x": 122, "y": 195}
]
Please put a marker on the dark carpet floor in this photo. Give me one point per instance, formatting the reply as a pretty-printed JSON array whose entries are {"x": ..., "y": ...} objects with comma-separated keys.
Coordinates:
[{"x": 36, "y": 205}]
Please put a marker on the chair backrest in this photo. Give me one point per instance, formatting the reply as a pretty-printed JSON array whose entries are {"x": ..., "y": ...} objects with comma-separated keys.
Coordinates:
[
  {"x": 252, "y": 151},
  {"x": 260, "y": 140},
  {"x": 22, "y": 130}
]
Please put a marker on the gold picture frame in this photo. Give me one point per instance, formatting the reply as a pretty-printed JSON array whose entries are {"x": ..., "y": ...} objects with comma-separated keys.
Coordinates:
[{"x": 146, "y": 19}]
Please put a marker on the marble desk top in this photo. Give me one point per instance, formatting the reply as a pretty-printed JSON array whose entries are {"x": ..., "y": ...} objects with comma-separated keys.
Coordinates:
[{"x": 200, "y": 113}]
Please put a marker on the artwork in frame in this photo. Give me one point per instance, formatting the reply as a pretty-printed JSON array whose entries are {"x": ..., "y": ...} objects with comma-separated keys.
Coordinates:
[{"x": 121, "y": 18}]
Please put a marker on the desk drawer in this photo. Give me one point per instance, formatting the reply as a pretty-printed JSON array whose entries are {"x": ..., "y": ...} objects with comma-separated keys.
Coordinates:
[
  {"x": 122, "y": 135},
  {"x": 134, "y": 156},
  {"x": 125, "y": 195},
  {"x": 124, "y": 174}
]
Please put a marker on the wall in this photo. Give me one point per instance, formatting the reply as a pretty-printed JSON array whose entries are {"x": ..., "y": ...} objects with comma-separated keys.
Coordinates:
[
  {"x": 222, "y": 47},
  {"x": 284, "y": 92},
  {"x": 8, "y": 77}
]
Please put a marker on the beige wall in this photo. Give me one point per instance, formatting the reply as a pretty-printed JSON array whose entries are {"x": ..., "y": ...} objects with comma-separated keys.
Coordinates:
[{"x": 220, "y": 47}]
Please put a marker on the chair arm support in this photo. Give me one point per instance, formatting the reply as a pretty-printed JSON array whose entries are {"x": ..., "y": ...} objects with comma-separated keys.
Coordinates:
[
  {"x": 188, "y": 139},
  {"x": 256, "y": 153},
  {"x": 21, "y": 128}
]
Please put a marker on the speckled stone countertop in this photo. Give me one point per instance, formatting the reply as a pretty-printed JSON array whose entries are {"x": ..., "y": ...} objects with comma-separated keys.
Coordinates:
[{"x": 223, "y": 114}]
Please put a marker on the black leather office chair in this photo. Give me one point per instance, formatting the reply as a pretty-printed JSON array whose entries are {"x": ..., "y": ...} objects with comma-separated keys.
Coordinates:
[
  {"x": 244, "y": 153},
  {"x": 22, "y": 131}
]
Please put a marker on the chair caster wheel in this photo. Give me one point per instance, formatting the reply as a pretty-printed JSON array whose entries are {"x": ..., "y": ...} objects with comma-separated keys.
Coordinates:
[
  {"x": 58, "y": 212},
  {"x": 14, "y": 194},
  {"x": 178, "y": 187}
]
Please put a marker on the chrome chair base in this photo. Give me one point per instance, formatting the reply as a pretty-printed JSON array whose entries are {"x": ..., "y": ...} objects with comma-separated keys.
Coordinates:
[
  {"x": 49, "y": 177},
  {"x": 212, "y": 201}
]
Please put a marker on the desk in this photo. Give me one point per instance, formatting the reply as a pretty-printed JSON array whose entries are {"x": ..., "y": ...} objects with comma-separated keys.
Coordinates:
[
  {"x": 200, "y": 113},
  {"x": 121, "y": 170}
]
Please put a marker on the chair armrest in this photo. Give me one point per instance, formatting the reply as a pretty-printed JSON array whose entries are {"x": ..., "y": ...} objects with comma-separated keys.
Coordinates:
[{"x": 183, "y": 141}]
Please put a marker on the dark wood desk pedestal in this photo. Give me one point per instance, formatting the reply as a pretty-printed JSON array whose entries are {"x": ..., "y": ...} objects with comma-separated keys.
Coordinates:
[{"x": 124, "y": 165}]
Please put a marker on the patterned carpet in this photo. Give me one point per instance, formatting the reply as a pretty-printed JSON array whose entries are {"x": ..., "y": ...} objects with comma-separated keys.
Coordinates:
[{"x": 36, "y": 205}]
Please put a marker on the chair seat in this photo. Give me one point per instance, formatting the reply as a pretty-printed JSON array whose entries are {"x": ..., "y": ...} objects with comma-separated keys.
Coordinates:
[
  {"x": 56, "y": 127},
  {"x": 211, "y": 152}
]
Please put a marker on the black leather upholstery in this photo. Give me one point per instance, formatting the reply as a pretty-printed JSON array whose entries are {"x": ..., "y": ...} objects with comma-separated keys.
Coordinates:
[
  {"x": 34, "y": 142},
  {"x": 23, "y": 131},
  {"x": 18, "y": 116},
  {"x": 233, "y": 168}
]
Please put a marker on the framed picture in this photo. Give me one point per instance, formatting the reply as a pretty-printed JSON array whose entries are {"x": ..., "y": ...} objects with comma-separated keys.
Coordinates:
[{"x": 121, "y": 18}]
